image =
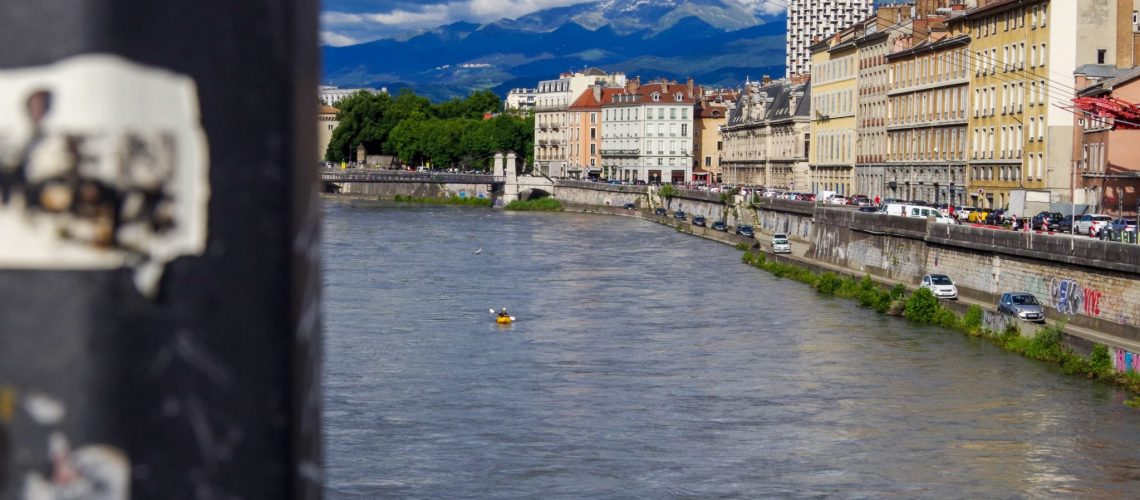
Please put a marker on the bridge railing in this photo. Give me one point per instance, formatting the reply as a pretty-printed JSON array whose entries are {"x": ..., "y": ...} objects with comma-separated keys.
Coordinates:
[
  {"x": 601, "y": 186},
  {"x": 334, "y": 175}
]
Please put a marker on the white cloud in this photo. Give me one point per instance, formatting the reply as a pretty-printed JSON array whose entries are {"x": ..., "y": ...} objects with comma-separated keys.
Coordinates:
[
  {"x": 768, "y": 7},
  {"x": 337, "y": 39}
]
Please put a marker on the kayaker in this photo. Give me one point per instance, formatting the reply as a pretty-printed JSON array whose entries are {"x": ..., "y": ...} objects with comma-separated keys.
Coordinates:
[{"x": 503, "y": 313}]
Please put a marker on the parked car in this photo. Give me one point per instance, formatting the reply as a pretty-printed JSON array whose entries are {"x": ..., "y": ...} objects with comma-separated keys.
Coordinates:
[
  {"x": 1123, "y": 225},
  {"x": 744, "y": 230},
  {"x": 963, "y": 213},
  {"x": 719, "y": 226},
  {"x": 861, "y": 200},
  {"x": 1021, "y": 305},
  {"x": 837, "y": 200},
  {"x": 679, "y": 215},
  {"x": 940, "y": 285},
  {"x": 1052, "y": 219},
  {"x": 630, "y": 206},
  {"x": 1091, "y": 224},
  {"x": 699, "y": 220},
  {"x": 780, "y": 243},
  {"x": 1065, "y": 225},
  {"x": 870, "y": 209},
  {"x": 659, "y": 211}
]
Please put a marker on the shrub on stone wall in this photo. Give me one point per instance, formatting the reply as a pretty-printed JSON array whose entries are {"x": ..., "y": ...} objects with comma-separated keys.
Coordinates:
[{"x": 922, "y": 306}]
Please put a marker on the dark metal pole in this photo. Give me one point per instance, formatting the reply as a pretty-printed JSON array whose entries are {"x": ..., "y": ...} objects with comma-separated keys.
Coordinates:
[{"x": 159, "y": 312}]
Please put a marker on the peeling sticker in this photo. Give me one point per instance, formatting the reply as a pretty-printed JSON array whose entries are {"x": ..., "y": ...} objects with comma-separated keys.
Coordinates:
[
  {"x": 92, "y": 472},
  {"x": 103, "y": 164},
  {"x": 44, "y": 410}
]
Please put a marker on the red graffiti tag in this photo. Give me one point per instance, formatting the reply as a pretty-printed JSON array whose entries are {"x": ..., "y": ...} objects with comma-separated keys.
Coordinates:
[{"x": 1092, "y": 302}]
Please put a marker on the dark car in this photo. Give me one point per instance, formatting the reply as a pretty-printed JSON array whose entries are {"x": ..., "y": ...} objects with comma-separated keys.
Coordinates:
[
  {"x": 699, "y": 220},
  {"x": 870, "y": 209},
  {"x": 1050, "y": 219},
  {"x": 719, "y": 226},
  {"x": 679, "y": 215},
  {"x": 630, "y": 206},
  {"x": 1065, "y": 225},
  {"x": 744, "y": 230},
  {"x": 659, "y": 211},
  {"x": 1023, "y": 306}
]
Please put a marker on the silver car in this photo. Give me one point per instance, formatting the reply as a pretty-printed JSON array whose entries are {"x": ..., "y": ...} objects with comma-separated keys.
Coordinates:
[
  {"x": 940, "y": 285},
  {"x": 780, "y": 243},
  {"x": 1022, "y": 305}
]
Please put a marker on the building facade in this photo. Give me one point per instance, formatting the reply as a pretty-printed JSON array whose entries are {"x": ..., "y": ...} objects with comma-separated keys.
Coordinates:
[
  {"x": 326, "y": 124},
  {"x": 647, "y": 133},
  {"x": 585, "y": 132},
  {"x": 928, "y": 100},
  {"x": 711, "y": 114},
  {"x": 810, "y": 21},
  {"x": 330, "y": 95},
  {"x": 833, "y": 124},
  {"x": 1107, "y": 143},
  {"x": 551, "y": 117},
  {"x": 520, "y": 100},
  {"x": 766, "y": 137}
]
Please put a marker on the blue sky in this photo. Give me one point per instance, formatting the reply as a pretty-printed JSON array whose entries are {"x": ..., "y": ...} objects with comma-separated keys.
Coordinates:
[{"x": 347, "y": 22}]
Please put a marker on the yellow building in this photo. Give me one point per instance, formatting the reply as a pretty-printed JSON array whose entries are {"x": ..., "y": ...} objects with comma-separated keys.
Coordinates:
[
  {"x": 833, "y": 93},
  {"x": 1020, "y": 128},
  {"x": 710, "y": 115}
]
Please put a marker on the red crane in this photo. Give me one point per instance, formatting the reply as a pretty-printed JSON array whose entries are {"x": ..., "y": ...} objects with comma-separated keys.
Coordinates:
[{"x": 1125, "y": 115}]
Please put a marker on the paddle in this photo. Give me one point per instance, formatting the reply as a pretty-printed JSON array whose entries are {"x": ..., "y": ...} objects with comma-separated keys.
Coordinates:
[{"x": 493, "y": 312}]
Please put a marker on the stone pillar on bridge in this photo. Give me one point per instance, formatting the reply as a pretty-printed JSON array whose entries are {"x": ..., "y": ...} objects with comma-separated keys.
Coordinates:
[{"x": 507, "y": 171}]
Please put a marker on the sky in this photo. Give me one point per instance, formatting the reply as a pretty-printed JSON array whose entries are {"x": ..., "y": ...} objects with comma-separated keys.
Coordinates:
[{"x": 348, "y": 22}]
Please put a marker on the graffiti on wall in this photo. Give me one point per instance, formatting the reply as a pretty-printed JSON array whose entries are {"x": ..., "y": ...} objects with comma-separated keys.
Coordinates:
[
  {"x": 1125, "y": 361},
  {"x": 1069, "y": 297}
]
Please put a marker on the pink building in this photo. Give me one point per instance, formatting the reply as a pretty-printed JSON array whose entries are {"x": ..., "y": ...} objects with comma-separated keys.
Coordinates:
[{"x": 1106, "y": 146}]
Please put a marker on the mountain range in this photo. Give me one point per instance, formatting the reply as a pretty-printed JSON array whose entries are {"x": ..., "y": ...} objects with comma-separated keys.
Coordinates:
[{"x": 717, "y": 42}]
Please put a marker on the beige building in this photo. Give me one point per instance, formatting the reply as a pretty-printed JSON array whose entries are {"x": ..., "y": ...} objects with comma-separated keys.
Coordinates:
[
  {"x": 647, "y": 133},
  {"x": 551, "y": 117},
  {"x": 928, "y": 100},
  {"x": 326, "y": 124},
  {"x": 585, "y": 132},
  {"x": 765, "y": 141}
]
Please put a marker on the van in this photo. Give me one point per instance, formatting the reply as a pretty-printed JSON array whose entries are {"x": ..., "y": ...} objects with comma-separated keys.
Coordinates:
[{"x": 918, "y": 212}]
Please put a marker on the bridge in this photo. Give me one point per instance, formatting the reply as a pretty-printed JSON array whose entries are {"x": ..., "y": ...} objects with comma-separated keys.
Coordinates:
[{"x": 505, "y": 184}]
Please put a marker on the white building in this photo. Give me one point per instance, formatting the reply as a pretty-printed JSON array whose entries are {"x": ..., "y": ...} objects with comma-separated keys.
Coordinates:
[
  {"x": 810, "y": 21},
  {"x": 330, "y": 94},
  {"x": 551, "y": 101},
  {"x": 647, "y": 133},
  {"x": 520, "y": 99}
]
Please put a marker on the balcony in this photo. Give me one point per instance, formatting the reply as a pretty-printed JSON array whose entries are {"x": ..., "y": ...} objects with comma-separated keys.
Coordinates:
[{"x": 620, "y": 152}]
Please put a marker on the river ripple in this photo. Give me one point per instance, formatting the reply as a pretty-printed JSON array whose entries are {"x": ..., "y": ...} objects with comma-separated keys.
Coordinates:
[{"x": 651, "y": 364}]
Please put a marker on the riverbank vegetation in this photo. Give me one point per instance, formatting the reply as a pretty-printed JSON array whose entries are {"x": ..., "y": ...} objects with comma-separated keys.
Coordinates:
[
  {"x": 539, "y": 205},
  {"x": 923, "y": 307},
  {"x": 455, "y": 133},
  {"x": 450, "y": 200}
]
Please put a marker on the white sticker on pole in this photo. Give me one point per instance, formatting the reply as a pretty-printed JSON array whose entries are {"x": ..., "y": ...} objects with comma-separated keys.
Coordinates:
[{"x": 103, "y": 164}]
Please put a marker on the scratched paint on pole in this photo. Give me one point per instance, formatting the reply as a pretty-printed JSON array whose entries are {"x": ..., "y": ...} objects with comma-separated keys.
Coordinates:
[{"x": 103, "y": 164}]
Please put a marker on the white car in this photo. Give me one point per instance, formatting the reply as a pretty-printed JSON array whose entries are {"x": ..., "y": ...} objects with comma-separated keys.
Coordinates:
[
  {"x": 1091, "y": 224},
  {"x": 780, "y": 243},
  {"x": 940, "y": 285}
]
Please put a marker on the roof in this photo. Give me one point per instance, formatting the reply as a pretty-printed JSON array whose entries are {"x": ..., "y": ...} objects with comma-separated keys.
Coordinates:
[
  {"x": 667, "y": 94},
  {"x": 1100, "y": 70},
  {"x": 928, "y": 46},
  {"x": 587, "y": 100},
  {"x": 1123, "y": 77},
  {"x": 774, "y": 101},
  {"x": 328, "y": 110}
]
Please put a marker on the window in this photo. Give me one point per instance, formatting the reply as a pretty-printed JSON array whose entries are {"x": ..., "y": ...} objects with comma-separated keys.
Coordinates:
[
  {"x": 672, "y": 113},
  {"x": 684, "y": 130},
  {"x": 1100, "y": 53},
  {"x": 593, "y": 149},
  {"x": 678, "y": 96},
  {"x": 593, "y": 133},
  {"x": 655, "y": 96}
]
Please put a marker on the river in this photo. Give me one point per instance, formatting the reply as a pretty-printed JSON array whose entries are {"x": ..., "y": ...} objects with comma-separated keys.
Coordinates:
[{"x": 646, "y": 363}]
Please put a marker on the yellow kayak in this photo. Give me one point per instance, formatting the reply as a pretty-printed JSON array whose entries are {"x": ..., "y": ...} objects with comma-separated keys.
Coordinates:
[{"x": 503, "y": 320}]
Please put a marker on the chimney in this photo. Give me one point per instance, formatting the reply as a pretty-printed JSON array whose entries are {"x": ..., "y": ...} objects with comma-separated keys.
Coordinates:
[
  {"x": 598, "y": 93},
  {"x": 631, "y": 86},
  {"x": 767, "y": 80},
  {"x": 689, "y": 83}
]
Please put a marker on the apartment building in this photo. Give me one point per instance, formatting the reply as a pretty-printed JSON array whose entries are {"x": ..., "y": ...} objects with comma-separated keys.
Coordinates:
[
  {"x": 551, "y": 117},
  {"x": 928, "y": 100},
  {"x": 710, "y": 115},
  {"x": 765, "y": 139},
  {"x": 520, "y": 100},
  {"x": 647, "y": 132},
  {"x": 584, "y": 132},
  {"x": 1020, "y": 126},
  {"x": 1107, "y": 140},
  {"x": 833, "y": 104},
  {"x": 810, "y": 21}
]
